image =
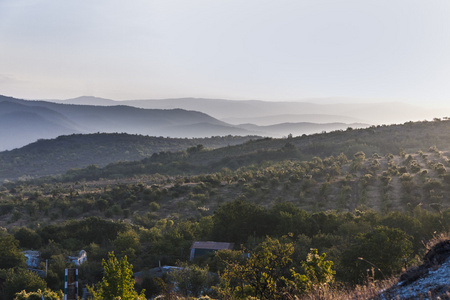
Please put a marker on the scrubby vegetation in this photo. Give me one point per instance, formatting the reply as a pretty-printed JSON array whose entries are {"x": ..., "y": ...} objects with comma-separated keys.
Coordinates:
[
  {"x": 50, "y": 157},
  {"x": 328, "y": 210}
]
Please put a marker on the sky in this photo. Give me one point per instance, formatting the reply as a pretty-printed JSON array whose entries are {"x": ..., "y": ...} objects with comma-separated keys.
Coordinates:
[{"x": 284, "y": 50}]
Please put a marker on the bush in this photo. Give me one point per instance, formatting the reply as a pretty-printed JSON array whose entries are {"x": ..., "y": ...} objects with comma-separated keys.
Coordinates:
[
  {"x": 193, "y": 280},
  {"x": 21, "y": 280},
  {"x": 38, "y": 295},
  {"x": 384, "y": 248}
]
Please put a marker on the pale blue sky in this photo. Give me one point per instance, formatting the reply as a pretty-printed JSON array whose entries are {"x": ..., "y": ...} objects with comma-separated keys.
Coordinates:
[{"x": 379, "y": 50}]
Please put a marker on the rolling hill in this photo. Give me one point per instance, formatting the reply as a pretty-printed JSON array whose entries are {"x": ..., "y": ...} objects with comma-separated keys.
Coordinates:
[
  {"x": 340, "y": 192},
  {"x": 56, "y": 156},
  {"x": 50, "y": 157}
]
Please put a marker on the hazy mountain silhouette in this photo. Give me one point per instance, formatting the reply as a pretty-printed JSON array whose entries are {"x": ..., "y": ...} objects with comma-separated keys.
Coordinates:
[
  {"x": 297, "y": 129},
  {"x": 293, "y": 118},
  {"x": 372, "y": 113},
  {"x": 23, "y": 122},
  {"x": 20, "y": 128}
]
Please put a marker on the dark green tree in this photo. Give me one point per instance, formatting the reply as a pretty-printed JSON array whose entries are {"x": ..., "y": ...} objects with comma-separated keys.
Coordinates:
[
  {"x": 19, "y": 280},
  {"x": 384, "y": 249},
  {"x": 192, "y": 280},
  {"x": 10, "y": 255},
  {"x": 28, "y": 238},
  {"x": 237, "y": 220}
]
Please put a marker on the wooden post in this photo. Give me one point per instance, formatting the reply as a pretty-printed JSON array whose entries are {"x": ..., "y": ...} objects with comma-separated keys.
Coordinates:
[{"x": 71, "y": 284}]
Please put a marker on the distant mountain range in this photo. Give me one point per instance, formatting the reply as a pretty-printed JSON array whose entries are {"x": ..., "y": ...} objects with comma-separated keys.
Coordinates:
[
  {"x": 269, "y": 113},
  {"x": 23, "y": 121}
]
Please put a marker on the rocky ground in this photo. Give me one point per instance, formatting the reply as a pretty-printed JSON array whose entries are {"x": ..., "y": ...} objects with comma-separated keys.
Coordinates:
[{"x": 431, "y": 280}]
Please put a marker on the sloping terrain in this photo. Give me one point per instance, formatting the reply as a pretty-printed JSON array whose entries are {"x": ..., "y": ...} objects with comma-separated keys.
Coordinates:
[
  {"x": 53, "y": 157},
  {"x": 431, "y": 280},
  {"x": 334, "y": 177}
]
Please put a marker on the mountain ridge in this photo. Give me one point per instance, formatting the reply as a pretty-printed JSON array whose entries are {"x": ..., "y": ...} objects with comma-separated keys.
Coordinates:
[
  {"x": 373, "y": 113},
  {"x": 174, "y": 122}
]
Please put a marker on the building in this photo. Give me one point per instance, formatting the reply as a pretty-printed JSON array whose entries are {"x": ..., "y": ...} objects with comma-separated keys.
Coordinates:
[
  {"x": 78, "y": 260},
  {"x": 200, "y": 248},
  {"x": 33, "y": 258}
]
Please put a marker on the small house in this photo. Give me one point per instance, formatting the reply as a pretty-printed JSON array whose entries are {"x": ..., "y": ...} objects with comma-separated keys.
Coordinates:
[
  {"x": 33, "y": 258},
  {"x": 78, "y": 260},
  {"x": 202, "y": 248}
]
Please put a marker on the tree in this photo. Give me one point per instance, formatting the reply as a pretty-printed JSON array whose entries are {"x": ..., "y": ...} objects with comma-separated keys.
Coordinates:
[
  {"x": 269, "y": 273},
  {"x": 117, "y": 281},
  {"x": 318, "y": 272},
  {"x": 192, "y": 280},
  {"x": 10, "y": 255},
  {"x": 260, "y": 275},
  {"x": 236, "y": 220},
  {"x": 28, "y": 238},
  {"x": 385, "y": 249},
  {"x": 19, "y": 280},
  {"x": 127, "y": 243}
]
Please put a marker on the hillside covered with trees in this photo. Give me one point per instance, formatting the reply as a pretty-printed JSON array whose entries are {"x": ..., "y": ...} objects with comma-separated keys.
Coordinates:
[
  {"x": 366, "y": 200},
  {"x": 56, "y": 156}
]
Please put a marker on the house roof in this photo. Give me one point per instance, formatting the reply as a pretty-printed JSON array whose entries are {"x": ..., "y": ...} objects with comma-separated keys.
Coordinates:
[
  {"x": 212, "y": 245},
  {"x": 31, "y": 253}
]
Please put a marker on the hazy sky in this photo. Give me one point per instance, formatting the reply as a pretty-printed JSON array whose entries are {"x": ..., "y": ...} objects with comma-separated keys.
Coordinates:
[{"x": 234, "y": 49}]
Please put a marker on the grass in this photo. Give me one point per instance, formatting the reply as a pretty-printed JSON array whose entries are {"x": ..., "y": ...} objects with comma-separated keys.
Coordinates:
[{"x": 437, "y": 238}]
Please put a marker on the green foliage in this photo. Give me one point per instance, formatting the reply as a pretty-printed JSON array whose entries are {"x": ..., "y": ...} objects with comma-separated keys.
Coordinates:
[
  {"x": 88, "y": 230},
  {"x": 46, "y": 294},
  {"x": 56, "y": 266},
  {"x": 93, "y": 151},
  {"x": 18, "y": 280},
  {"x": 127, "y": 243},
  {"x": 117, "y": 281},
  {"x": 318, "y": 272},
  {"x": 192, "y": 280},
  {"x": 28, "y": 238},
  {"x": 220, "y": 260},
  {"x": 242, "y": 194},
  {"x": 262, "y": 274},
  {"x": 237, "y": 220},
  {"x": 385, "y": 249},
  {"x": 10, "y": 255},
  {"x": 269, "y": 272}
]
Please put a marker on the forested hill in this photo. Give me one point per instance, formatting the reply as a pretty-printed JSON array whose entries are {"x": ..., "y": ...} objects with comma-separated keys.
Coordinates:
[
  {"x": 382, "y": 140},
  {"x": 50, "y": 157},
  {"x": 56, "y": 156},
  {"x": 340, "y": 193}
]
